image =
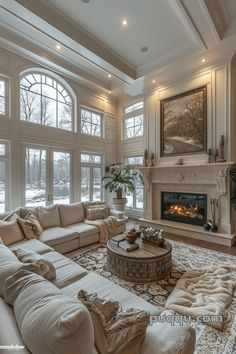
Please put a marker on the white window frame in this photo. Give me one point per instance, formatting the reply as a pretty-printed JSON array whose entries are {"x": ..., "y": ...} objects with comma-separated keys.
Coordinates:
[
  {"x": 6, "y": 97},
  {"x": 6, "y": 159},
  {"x": 128, "y": 113},
  {"x": 133, "y": 166},
  {"x": 49, "y": 171},
  {"x": 65, "y": 87},
  {"x": 91, "y": 110},
  {"x": 91, "y": 165}
]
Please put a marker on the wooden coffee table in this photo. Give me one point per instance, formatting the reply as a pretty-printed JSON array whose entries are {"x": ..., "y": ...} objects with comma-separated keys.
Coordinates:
[{"x": 146, "y": 264}]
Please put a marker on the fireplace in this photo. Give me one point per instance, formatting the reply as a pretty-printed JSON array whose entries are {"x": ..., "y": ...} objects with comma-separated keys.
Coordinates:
[{"x": 189, "y": 208}]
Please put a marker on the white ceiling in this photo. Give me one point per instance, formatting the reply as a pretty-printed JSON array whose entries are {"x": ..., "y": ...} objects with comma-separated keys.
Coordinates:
[{"x": 177, "y": 33}]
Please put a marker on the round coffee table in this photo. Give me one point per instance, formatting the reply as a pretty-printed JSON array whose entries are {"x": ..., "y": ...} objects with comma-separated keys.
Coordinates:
[{"x": 145, "y": 264}]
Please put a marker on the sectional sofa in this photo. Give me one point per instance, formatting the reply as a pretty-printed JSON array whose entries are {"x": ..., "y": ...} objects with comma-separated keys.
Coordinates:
[
  {"x": 63, "y": 225},
  {"x": 161, "y": 337}
]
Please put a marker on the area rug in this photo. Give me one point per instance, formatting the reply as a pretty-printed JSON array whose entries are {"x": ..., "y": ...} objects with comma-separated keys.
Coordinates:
[{"x": 185, "y": 257}]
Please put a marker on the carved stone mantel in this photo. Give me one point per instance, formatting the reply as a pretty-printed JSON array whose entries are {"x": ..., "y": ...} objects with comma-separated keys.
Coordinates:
[{"x": 209, "y": 178}]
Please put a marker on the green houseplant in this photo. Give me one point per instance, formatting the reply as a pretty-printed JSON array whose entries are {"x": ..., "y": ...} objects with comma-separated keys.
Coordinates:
[{"x": 119, "y": 179}]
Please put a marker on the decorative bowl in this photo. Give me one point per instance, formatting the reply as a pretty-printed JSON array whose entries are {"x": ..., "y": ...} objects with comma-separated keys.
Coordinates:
[{"x": 132, "y": 235}]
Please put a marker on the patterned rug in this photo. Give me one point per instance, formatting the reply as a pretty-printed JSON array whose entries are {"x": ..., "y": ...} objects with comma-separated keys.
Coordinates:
[{"x": 184, "y": 257}]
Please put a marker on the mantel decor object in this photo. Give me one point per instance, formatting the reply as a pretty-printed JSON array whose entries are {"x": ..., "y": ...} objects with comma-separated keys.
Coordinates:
[
  {"x": 221, "y": 157},
  {"x": 148, "y": 159}
]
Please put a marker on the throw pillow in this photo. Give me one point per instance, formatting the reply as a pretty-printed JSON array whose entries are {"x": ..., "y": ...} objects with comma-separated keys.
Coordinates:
[
  {"x": 30, "y": 226},
  {"x": 10, "y": 231},
  {"x": 116, "y": 332},
  {"x": 96, "y": 213},
  {"x": 49, "y": 216},
  {"x": 47, "y": 269},
  {"x": 49, "y": 321}
]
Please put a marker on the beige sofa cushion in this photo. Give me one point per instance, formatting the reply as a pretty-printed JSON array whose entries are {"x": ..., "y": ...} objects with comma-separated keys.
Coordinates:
[
  {"x": 106, "y": 289},
  {"x": 49, "y": 216},
  {"x": 10, "y": 230},
  {"x": 83, "y": 229},
  {"x": 47, "y": 269},
  {"x": 49, "y": 322},
  {"x": 55, "y": 235},
  {"x": 9, "y": 264},
  {"x": 9, "y": 333},
  {"x": 67, "y": 271},
  {"x": 71, "y": 213},
  {"x": 116, "y": 331},
  {"x": 33, "y": 245}
]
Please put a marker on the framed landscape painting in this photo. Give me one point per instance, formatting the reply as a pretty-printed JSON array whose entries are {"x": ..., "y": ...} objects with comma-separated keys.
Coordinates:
[{"x": 183, "y": 123}]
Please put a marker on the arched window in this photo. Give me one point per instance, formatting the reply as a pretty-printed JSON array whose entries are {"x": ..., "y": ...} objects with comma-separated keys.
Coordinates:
[{"x": 46, "y": 101}]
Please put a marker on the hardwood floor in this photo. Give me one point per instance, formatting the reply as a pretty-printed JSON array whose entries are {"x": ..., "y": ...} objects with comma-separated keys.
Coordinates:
[{"x": 209, "y": 245}]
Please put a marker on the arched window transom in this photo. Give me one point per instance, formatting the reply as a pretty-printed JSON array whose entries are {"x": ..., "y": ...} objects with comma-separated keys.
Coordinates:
[{"x": 45, "y": 101}]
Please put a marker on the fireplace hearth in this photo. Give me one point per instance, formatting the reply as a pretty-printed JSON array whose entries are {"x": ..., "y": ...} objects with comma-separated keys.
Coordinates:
[{"x": 189, "y": 208}]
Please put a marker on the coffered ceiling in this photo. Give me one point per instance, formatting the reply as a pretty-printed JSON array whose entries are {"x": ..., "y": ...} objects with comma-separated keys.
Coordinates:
[{"x": 87, "y": 40}]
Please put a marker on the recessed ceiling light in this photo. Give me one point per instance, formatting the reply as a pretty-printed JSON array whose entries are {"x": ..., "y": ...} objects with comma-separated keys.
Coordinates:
[
  {"x": 109, "y": 75},
  {"x": 85, "y": 1},
  {"x": 109, "y": 92},
  {"x": 58, "y": 47},
  {"x": 153, "y": 81},
  {"x": 124, "y": 22},
  {"x": 203, "y": 60},
  {"x": 144, "y": 49}
]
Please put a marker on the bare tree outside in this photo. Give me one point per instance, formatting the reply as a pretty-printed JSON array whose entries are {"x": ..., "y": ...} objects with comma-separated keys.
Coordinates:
[
  {"x": 133, "y": 126},
  {"x": 91, "y": 123}
]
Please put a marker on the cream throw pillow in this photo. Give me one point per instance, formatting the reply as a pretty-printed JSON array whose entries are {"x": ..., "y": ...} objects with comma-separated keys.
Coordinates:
[
  {"x": 99, "y": 212},
  {"x": 116, "y": 332},
  {"x": 47, "y": 269},
  {"x": 10, "y": 230},
  {"x": 49, "y": 216},
  {"x": 30, "y": 226},
  {"x": 49, "y": 321}
]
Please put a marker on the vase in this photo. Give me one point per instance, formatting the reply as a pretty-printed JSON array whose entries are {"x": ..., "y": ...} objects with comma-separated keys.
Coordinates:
[{"x": 119, "y": 204}]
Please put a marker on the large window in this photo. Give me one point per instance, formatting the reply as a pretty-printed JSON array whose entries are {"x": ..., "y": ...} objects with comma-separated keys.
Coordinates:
[
  {"x": 135, "y": 200},
  {"x": 133, "y": 121},
  {"x": 47, "y": 176},
  {"x": 91, "y": 174},
  {"x": 4, "y": 176},
  {"x": 91, "y": 122},
  {"x": 2, "y": 96},
  {"x": 46, "y": 101}
]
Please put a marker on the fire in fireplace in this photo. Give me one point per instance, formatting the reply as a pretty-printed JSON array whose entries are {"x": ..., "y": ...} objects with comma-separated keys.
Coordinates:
[{"x": 190, "y": 208}]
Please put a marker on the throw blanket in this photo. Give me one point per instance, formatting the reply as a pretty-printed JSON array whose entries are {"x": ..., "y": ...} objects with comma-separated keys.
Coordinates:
[
  {"x": 106, "y": 227},
  {"x": 204, "y": 292}
]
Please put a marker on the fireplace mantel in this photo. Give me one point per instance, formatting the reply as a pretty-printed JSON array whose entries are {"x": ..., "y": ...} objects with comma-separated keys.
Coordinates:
[{"x": 209, "y": 178}]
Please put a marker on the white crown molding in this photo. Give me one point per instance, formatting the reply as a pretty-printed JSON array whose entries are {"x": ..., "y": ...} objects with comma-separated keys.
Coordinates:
[
  {"x": 217, "y": 10},
  {"x": 91, "y": 48},
  {"x": 188, "y": 22}
]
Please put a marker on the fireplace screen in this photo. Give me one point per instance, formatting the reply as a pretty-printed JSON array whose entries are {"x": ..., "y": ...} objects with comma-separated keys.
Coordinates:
[{"x": 190, "y": 208}]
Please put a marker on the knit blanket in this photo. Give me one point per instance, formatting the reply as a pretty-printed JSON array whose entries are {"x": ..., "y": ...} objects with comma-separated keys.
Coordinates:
[
  {"x": 204, "y": 294},
  {"x": 107, "y": 227}
]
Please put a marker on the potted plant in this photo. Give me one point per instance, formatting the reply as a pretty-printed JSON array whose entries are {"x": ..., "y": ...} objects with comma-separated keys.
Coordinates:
[{"x": 120, "y": 179}]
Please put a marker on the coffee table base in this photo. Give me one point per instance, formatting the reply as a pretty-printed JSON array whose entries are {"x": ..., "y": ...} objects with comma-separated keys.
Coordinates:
[{"x": 138, "y": 270}]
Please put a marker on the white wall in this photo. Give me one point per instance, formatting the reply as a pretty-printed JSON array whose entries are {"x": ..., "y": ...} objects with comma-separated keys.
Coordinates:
[{"x": 19, "y": 132}]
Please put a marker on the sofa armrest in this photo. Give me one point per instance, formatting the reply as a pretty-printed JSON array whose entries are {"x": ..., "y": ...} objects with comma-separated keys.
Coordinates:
[{"x": 118, "y": 214}]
